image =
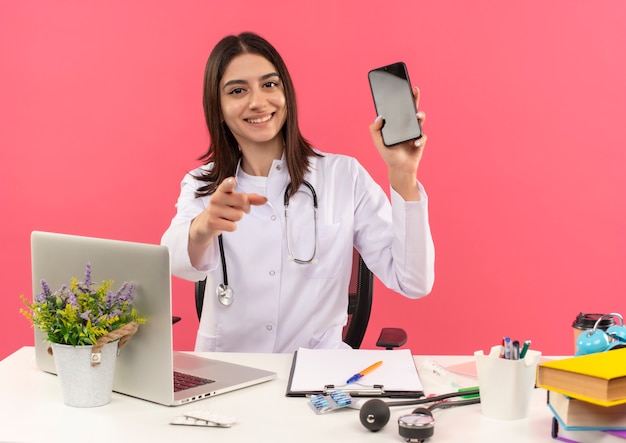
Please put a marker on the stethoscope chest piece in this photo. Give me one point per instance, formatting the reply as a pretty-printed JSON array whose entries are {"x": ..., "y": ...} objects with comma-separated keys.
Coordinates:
[
  {"x": 416, "y": 427},
  {"x": 225, "y": 294}
]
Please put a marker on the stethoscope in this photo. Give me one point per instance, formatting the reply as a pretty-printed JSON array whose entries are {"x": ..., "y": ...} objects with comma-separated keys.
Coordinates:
[
  {"x": 225, "y": 294},
  {"x": 419, "y": 424}
]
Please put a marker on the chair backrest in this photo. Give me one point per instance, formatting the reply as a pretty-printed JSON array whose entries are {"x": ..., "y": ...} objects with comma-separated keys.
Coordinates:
[
  {"x": 359, "y": 301},
  {"x": 360, "y": 295}
]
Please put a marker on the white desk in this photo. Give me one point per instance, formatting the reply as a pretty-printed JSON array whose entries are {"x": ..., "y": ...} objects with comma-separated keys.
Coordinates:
[{"x": 32, "y": 410}]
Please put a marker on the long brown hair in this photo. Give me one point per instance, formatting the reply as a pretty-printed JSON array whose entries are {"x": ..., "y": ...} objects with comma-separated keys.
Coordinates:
[{"x": 223, "y": 149}]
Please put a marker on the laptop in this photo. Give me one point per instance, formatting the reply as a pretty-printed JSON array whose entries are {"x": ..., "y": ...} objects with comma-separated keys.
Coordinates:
[{"x": 146, "y": 365}]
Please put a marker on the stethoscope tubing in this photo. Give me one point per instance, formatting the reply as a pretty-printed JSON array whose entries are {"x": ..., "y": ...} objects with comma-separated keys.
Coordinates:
[{"x": 225, "y": 294}]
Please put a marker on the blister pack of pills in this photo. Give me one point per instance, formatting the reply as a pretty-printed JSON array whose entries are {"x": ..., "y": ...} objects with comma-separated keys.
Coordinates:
[
  {"x": 322, "y": 404},
  {"x": 203, "y": 418}
]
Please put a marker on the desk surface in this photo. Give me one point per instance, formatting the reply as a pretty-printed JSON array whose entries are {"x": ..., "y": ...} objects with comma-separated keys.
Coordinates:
[{"x": 32, "y": 410}]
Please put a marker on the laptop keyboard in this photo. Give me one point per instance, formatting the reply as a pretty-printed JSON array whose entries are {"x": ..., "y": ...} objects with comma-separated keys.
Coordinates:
[{"x": 186, "y": 381}]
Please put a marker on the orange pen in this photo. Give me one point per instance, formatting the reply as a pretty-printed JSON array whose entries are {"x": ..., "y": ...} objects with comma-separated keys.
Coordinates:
[{"x": 365, "y": 371}]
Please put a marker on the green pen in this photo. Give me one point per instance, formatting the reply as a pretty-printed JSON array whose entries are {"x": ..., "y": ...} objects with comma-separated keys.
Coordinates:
[
  {"x": 471, "y": 392},
  {"x": 522, "y": 354}
]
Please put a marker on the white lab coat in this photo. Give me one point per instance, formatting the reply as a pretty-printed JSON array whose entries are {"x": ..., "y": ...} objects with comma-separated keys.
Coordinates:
[{"x": 280, "y": 305}]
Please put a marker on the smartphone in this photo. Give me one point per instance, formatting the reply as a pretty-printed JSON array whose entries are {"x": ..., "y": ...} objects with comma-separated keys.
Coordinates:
[{"x": 394, "y": 102}]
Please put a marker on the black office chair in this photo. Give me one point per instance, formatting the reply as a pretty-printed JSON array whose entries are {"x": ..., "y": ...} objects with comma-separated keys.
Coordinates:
[{"x": 360, "y": 295}]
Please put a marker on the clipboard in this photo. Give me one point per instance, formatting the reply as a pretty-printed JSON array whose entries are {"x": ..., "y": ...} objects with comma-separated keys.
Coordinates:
[{"x": 319, "y": 371}]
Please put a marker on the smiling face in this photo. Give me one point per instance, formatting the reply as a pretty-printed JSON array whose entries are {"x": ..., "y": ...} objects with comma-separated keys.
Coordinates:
[{"x": 253, "y": 102}]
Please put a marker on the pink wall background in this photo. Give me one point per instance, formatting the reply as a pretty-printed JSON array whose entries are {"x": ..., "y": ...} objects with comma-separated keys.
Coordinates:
[{"x": 101, "y": 116}]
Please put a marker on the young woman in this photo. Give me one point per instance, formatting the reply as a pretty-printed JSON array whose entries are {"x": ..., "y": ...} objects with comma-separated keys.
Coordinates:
[{"x": 284, "y": 218}]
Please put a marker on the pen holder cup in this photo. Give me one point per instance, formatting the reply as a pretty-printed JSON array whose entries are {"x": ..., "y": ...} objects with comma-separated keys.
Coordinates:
[{"x": 506, "y": 386}]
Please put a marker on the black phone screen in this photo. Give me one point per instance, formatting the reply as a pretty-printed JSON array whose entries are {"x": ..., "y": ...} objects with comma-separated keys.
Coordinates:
[{"x": 393, "y": 99}]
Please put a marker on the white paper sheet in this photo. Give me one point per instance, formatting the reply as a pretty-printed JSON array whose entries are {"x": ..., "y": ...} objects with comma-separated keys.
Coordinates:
[{"x": 317, "y": 368}]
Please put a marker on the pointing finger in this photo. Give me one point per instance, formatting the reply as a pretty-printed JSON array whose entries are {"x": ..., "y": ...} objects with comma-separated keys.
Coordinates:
[
  {"x": 256, "y": 199},
  {"x": 227, "y": 186}
]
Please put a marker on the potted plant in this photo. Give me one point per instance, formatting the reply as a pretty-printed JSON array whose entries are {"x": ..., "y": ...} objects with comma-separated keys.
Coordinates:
[{"x": 86, "y": 323}]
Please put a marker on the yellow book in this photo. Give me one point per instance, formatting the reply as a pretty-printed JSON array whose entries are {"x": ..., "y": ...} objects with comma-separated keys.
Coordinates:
[{"x": 596, "y": 378}]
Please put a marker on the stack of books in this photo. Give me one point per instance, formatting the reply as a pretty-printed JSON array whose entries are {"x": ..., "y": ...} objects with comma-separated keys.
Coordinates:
[{"x": 587, "y": 393}]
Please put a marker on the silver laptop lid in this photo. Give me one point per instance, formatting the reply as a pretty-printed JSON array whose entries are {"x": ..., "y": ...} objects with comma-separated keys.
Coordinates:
[{"x": 146, "y": 364}]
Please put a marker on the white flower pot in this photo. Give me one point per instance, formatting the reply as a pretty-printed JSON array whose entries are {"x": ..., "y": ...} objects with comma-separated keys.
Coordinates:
[{"x": 84, "y": 385}]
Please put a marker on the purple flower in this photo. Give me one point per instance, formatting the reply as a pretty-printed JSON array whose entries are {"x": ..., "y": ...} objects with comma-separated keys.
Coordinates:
[
  {"x": 125, "y": 293},
  {"x": 88, "y": 275},
  {"x": 44, "y": 294},
  {"x": 84, "y": 287},
  {"x": 115, "y": 312},
  {"x": 67, "y": 296},
  {"x": 110, "y": 299},
  {"x": 61, "y": 294},
  {"x": 46, "y": 288}
]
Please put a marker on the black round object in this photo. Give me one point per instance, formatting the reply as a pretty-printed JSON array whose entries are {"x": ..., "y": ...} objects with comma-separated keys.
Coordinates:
[{"x": 374, "y": 414}]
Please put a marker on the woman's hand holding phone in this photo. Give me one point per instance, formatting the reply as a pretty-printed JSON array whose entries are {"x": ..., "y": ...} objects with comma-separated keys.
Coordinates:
[
  {"x": 394, "y": 100},
  {"x": 402, "y": 159}
]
